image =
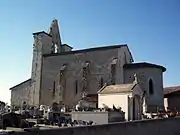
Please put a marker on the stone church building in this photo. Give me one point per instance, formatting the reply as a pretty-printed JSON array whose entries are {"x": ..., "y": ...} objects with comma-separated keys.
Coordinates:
[{"x": 61, "y": 75}]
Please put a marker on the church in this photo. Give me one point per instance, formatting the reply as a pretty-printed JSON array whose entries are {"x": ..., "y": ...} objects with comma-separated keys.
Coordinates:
[{"x": 62, "y": 75}]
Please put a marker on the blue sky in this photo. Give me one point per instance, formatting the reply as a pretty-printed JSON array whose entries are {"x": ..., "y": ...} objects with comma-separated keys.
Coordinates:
[{"x": 151, "y": 28}]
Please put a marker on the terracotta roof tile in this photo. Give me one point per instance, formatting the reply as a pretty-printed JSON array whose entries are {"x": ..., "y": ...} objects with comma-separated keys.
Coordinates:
[
  {"x": 169, "y": 90},
  {"x": 117, "y": 88}
]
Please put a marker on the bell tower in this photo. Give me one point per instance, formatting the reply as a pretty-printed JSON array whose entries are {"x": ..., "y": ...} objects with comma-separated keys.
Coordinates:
[
  {"x": 56, "y": 38},
  {"x": 42, "y": 45}
]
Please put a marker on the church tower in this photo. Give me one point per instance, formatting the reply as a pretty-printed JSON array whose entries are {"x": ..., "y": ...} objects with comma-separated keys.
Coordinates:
[
  {"x": 56, "y": 39},
  {"x": 44, "y": 43}
]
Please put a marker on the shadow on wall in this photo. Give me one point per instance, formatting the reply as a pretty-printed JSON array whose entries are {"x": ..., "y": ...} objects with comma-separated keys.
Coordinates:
[{"x": 169, "y": 126}]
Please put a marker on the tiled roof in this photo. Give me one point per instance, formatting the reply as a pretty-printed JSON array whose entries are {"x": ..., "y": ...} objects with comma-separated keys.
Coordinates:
[
  {"x": 143, "y": 65},
  {"x": 88, "y": 50},
  {"x": 121, "y": 88},
  {"x": 169, "y": 90}
]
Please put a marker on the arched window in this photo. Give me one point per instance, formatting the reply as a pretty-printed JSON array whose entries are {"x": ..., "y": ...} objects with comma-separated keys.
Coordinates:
[{"x": 151, "y": 86}]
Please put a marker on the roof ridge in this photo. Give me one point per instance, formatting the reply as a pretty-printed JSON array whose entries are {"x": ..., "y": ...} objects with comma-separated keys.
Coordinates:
[
  {"x": 172, "y": 86},
  {"x": 87, "y": 50}
]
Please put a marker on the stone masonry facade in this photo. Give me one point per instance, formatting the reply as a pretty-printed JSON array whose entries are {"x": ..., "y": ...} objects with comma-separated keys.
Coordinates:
[{"x": 62, "y": 75}]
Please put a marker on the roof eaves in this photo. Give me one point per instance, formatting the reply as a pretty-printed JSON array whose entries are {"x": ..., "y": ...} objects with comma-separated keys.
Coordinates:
[
  {"x": 126, "y": 91},
  {"x": 85, "y": 50},
  {"x": 143, "y": 64},
  {"x": 37, "y": 33},
  {"x": 129, "y": 89},
  {"x": 169, "y": 90},
  {"x": 101, "y": 89},
  {"x": 19, "y": 84}
]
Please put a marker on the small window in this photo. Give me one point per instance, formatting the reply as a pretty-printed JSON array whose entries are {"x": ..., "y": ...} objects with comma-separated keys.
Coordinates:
[
  {"x": 54, "y": 88},
  {"x": 151, "y": 87},
  {"x": 101, "y": 83},
  {"x": 125, "y": 60},
  {"x": 76, "y": 87},
  {"x": 113, "y": 72}
]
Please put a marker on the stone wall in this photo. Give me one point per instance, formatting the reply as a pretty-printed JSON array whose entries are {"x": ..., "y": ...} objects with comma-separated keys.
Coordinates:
[
  {"x": 99, "y": 60},
  {"x": 144, "y": 74},
  {"x": 168, "y": 126},
  {"x": 42, "y": 45},
  {"x": 21, "y": 93},
  {"x": 98, "y": 117}
]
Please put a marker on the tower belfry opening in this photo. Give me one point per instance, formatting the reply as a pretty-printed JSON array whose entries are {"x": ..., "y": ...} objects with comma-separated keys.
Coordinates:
[
  {"x": 56, "y": 38},
  {"x": 57, "y": 45}
]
